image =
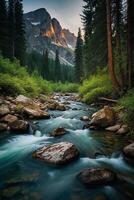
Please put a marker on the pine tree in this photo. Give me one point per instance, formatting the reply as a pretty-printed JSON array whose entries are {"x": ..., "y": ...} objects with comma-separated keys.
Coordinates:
[
  {"x": 57, "y": 67},
  {"x": 79, "y": 58},
  {"x": 20, "y": 46},
  {"x": 45, "y": 66},
  {"x": 3, "y": 28},
  {"x": 95, "y": 45},
  {"x": 11, "y": 29}
]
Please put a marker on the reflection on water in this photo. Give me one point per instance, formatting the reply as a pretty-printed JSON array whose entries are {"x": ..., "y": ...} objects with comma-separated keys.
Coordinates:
[{"x": 22, "y": 177}]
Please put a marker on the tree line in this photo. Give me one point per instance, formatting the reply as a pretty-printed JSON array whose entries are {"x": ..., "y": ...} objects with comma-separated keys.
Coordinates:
[
  {"x": 12, "y": 30},
  {"x": 108, "y": 41},
  {"x": 13, "y": 45}
]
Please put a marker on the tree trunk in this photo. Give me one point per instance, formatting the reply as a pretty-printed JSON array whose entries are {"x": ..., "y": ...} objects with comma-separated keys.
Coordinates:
[
  {"x": 110, "y": 49},
  {"x": 118, "y": 40},
  {"x": 129, "y": 34}
]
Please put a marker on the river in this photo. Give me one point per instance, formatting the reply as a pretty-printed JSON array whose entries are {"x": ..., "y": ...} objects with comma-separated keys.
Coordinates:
[{"x": 24, "y": 178}]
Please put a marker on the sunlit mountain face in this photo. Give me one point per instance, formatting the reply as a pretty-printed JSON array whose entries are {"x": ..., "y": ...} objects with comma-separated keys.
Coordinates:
[{"x": 44, "y": 32}]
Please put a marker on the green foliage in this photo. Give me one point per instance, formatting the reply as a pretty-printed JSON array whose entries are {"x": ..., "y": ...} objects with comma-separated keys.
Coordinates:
[
  {"x": 127, "y": 103},
  {"x": 14, "y": 80},
  {"x": 94, "y": 87},
  {"x": 66, "y": 87}
]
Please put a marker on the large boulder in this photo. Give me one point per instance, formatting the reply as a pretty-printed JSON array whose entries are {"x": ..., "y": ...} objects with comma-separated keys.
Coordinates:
[
  {"x": 4, "y": 110},
  {"x": 103, "y": 118},
  {"x": 8, "y": 118},
  {"x": 19, "y": 125},
  {"x": 58, "y": 132},
  {"x": 35, "y": 113},
  {"x": 95, "y": 177},
  {"x": 58, "y": 154},
  {"x": 128, "y": 152}
]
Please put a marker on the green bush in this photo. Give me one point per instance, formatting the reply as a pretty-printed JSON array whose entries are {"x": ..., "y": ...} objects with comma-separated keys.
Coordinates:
[
  {"x": 66, "y": 87},
  {"x": 95, "y": 87},
  {"x": 127, "y": 103},
  {"x": 14, "y": 80}
]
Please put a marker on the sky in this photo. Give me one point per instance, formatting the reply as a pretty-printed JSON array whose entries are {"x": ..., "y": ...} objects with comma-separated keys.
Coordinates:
[{"x": 66, "y": 11}]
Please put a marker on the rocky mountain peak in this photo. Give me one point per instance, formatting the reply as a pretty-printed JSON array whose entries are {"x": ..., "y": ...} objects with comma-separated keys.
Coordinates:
[{"x": 44, "y": 32}]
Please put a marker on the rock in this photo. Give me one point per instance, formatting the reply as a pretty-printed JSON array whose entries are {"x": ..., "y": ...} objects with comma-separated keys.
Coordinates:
[
  {"x": 114, "y": 128},
  {"x": 128, "y": 152},
  {"x": 21, "y": 99},
  {"x": 96, "y": 177},
  {"x": 58, "y": 154},
  {"x": 19, "y": 125},
  {"x": 103, "y": 118},
  {"x": 8, "y": 118},
  {"x": 123, "y": 130},
  {"x": 36, "y": 114},
  {"x": 85, "y": 118},
  {"x": 58, "y": 132},
  {"x": 61, "y": 107},
  {"x": 4, "y": 110},
  {"x": 3, "y": 127}
]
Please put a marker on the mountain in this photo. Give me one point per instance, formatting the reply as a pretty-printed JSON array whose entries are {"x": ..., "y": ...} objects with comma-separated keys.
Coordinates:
[{"x": 44, "y": 32}]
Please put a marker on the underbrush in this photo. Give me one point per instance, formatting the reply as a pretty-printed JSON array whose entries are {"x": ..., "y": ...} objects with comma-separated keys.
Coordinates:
[
  {"x": 127, "y": 103},
  {"x": 96, "y": 86},
  {"x": 14, "y": 80}
]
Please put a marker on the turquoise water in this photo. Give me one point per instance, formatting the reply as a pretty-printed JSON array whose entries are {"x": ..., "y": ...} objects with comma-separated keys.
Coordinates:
[{"x": 25, "y": 178}]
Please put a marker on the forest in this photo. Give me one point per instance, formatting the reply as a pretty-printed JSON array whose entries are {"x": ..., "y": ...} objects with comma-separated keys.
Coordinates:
[{"x": 66, "y": 114}]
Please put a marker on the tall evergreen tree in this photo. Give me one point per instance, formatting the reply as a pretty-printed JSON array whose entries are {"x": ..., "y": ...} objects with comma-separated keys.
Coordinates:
[
  {"x": 95, "y": 45},
  {"x": 79, "y": 58},
  {"x": 11, "y": 29},
  {"x": 20, "y": 45},
  {"x": 3, "y": 28},
  {"x": 57, "y": 67},
  {"x": 45, "y": 65}
]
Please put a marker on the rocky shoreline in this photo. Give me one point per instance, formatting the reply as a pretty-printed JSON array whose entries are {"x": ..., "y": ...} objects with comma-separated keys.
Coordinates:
[{"x": 17, "y": 114}]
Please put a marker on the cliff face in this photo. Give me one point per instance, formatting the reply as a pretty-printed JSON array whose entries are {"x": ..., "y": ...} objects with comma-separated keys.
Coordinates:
[{"x": 43, "y": 32}]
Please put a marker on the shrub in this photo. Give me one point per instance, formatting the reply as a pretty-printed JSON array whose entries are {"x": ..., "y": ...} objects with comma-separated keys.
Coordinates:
[
  {"x": 127, "y": 103},
  {"x": 65, "y": 87},
  {"x": 94, "y": 87}
]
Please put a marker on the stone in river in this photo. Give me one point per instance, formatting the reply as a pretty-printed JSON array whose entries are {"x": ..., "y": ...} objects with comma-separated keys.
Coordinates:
[
  {"x": 58, "y": 154},
  {"x": 85, "y": 118},
  {"x": 58, "y": 132},
  {"x": 114, "y": 128},
  {"x": 4, "y": 110},
  {"x": 128, "y": 152},
  {"x": 96, "y": 177},
  {"x": 19, "y": 125},
  {"x": 103, "y": 118}
]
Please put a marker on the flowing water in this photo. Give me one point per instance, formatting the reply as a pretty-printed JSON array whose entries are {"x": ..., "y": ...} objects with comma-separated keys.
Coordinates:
[{"x": 24, "y": 178}]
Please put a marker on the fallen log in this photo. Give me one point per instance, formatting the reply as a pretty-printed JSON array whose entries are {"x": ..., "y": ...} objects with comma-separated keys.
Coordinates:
[{"x": 108, "y": 100}]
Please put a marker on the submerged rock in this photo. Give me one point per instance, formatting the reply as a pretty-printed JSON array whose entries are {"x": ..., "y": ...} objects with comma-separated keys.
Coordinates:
[
  {"x": 58, "y": 154},
  {"x": 58, "y": 132},
  {"x": 3, "y": 127},
  {"x": 19, "y": 125},
  {"x": 103, "y": 118},
  {"x": 128, "y": 152},
  {"x": 96, "y": 177},
  {"x": 85, "y": 118}
]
